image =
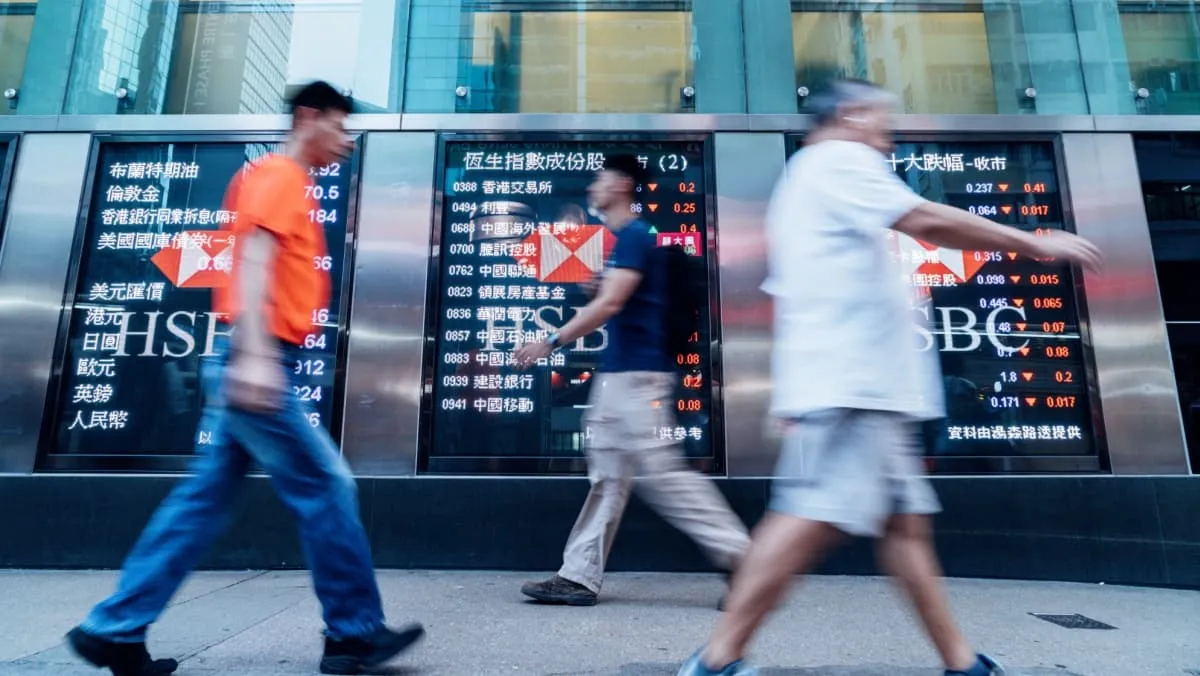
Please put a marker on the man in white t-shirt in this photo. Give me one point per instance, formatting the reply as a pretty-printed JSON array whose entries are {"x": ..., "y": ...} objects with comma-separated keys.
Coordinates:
[{"x": 848, "y": 376}]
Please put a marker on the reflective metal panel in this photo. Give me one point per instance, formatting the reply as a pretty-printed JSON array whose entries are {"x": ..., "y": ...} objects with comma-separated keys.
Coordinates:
[
  {"x": 43, "y": 211},
  {"x": 383, "y": 365},
  {"x": 1133, "y": 363},
  {"x": 747, "y": 167}
]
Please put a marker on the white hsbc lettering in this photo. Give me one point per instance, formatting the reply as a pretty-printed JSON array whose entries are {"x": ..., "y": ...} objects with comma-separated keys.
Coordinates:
[
  {"x": 181, "y": 325},
  {"x": 966, "y": 335}
]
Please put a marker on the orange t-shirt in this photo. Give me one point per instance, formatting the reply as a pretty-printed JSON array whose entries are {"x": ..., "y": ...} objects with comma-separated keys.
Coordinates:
[{"x": 270, "y": 195}]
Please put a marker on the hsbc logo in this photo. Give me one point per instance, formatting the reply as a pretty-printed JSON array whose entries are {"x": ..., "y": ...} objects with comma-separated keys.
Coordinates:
[
  {"x": 202, "y": 260},
  {"x": 571, "y": 256}
]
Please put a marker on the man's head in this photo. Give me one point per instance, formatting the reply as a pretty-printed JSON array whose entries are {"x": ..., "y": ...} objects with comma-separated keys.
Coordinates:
[
  {"x": 617, "y": 183},
  {"x": 319, "y": 123},
  {"x": 855, "y": 110}
]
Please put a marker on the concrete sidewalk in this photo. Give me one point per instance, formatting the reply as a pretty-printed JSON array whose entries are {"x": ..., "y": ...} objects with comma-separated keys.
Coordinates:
[{"x": 268, "y": 623}]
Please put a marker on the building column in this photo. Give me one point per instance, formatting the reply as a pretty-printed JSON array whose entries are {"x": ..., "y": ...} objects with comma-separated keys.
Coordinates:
[
  {"x": 49, "y": 59},
  {"x": 719, "y": 68},
  {"x": 770, "y": 72}
]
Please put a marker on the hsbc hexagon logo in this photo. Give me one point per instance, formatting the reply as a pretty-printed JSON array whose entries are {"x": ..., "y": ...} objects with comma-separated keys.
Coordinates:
[
  {"x": 197, "y": 259},
  {"x": 571, "y": 256}
]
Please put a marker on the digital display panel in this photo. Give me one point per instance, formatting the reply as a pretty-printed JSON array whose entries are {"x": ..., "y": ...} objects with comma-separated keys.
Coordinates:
[
  {"x": 154, "y": 247},
  {"x": 1014, "y": 364},
  {"x": 516, "y": 244}
]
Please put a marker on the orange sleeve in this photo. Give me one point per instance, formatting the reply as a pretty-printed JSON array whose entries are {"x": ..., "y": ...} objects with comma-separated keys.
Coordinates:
[{"x": 269, "y": 198}]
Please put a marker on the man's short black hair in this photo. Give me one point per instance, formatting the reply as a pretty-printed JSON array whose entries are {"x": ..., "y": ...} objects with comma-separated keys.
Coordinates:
[
  {"x": 627, "y": 165},
  {"x": 322, "y": 97}
]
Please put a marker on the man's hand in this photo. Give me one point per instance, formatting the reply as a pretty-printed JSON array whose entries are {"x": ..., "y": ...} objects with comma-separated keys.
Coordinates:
[
  {"x": 1068, "y": 247},
  {"x": 528, "y": 354},
  {"x": 255, "y": 382}
]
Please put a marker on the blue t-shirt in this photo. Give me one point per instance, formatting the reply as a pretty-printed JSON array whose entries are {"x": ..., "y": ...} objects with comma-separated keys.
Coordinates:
[{"x": 637, "y": 335}]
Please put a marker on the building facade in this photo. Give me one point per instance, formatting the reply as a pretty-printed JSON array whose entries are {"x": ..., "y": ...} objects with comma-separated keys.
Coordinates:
[{"x": 459, "y": 227}]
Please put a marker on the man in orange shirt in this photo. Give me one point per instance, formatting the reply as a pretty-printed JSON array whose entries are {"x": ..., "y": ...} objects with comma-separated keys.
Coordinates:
[{"x": 253, "y": 414}]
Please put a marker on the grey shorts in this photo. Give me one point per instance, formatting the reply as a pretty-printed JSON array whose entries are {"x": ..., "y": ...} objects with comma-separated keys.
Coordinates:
[{"x": 852, "y": 469}]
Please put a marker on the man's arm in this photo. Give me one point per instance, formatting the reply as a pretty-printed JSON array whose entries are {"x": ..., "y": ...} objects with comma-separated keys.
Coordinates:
[
  {"x": 618, "y": 285},
  {"x": 253, "y": 335},
  {"x": 958, "y": 229}
]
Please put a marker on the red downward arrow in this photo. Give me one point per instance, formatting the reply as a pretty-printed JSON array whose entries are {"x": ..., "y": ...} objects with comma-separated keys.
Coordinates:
[
  {"x": 1027, "y": 375},
  {"x": 1018, "y": 302},
  {"x": 653, "y": 207},
  {"x": 1031, "y": 400},
  {"x": 1021, "y": 326},
  {"x": 652, "y": 186},
  {"x": 1012, "y": 255},
  {"x": 1024, "y": 351},
  {"x": 1016, "y": 278},
  {"x": 1006, "y": 209}
]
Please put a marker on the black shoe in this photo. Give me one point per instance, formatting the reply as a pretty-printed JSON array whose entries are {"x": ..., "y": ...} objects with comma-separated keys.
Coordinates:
[
  {"x": 123, "y": 659},
  {"x": 561, "y": 591},
  {"x": 352, "y": 655}
]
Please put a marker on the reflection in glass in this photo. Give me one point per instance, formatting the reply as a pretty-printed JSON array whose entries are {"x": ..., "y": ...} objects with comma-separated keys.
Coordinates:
[
  {"x": 16, "y": 25},
  {"x": 202, "y": 57},
  {"x": 1169, "y": 166},
  {"x": 936, "y": 61},
  {"x": 563, "y": 57},
  {"x": 1163, "y": 43}
]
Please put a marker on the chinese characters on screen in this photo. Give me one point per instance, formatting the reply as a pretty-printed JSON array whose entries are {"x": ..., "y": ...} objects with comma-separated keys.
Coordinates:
[
  {"x": 1006, "y": 327},
  {"x": 142, "y": 317},
  {"x": 517, "y": 241}
]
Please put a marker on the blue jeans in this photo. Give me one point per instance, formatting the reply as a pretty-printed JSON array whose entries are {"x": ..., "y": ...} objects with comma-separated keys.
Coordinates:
[{"x": 307, "y": 473}]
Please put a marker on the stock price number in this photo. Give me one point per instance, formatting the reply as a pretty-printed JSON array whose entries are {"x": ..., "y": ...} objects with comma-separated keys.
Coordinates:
[
  {"x": 320, "y": 192},
  {"x": 690, "y": 359},
  {"x": 988, "y": 256},
  {"x": 984, "y": 210},
  {"x": 989, "y": 280},
  {"x": 1054, "y": 327},
  {"x": 1060, "y": 401},
  {"x": 309, "y": 367},
  {"x": 1043, "y": 279},
  {"x": 1058, "y": 351},
  {"x": 314, "y": 341},
  {"x": 685, "y": 207},
  {"x": 322, "y": 216},
  {"x": 980, "y": 187},
  {"x": 307, "y": 392},
  {"x": 1005, "y": 402},
  {"x": 687, "y": 187},
  {"x": 689, "y": 405},
  {"x": 1064, "y": 377},
  {"x": 1035, "y": 187},
  {"x": 1048, "y": 303},
  {"x": 1035, "y": 210},
  {"x": 320, "y": 316},
  {"x": 334, "y": 170}
]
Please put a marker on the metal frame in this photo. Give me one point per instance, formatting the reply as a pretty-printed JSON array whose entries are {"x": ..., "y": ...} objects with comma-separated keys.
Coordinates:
[
  {"x": 8, "y": 161},
  {"x": 620, "y": 122},
  {"x": 49, "y": 460},
  {"x": 576, "y": 465}
]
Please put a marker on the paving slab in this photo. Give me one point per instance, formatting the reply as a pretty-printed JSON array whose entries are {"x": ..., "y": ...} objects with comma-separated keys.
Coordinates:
[{"x": 268, "y": 624}]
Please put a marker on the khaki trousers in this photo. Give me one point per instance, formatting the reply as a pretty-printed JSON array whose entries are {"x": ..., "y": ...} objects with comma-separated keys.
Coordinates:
[{"x": 626, "y": 411}]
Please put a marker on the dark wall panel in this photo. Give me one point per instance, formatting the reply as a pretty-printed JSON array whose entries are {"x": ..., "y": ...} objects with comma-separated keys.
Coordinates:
[{"x": 1102, "y": 529}]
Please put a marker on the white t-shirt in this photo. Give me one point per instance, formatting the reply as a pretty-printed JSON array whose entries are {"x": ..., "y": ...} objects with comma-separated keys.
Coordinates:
[{"x": 845, "y": 330}]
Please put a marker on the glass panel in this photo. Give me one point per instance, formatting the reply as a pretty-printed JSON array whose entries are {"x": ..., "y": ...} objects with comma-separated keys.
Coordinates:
[
  {"x": 141, "y": 319},
  {"x": 937, "y": 61},
  {"x": 516, "y": 244},
  {"x": 16, "y": 26},
  {"x": 945, "y": 56},
  {"x": 549, "y": 57},
  {"x": 1163, "y": 42},
  {"x": 1169, "y": 166},
  {"x": 241, "y": 56}
]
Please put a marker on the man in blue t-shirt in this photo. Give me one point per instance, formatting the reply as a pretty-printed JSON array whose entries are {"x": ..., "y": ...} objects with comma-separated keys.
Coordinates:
[{"x": 631, "y": 400}]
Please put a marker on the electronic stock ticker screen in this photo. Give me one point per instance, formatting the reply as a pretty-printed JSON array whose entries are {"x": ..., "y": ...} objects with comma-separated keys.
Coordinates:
[
  {"x": 142, "y": 320},
  {"x": 516, "y": 243},
  {"x": 1007, "y": 328}
]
